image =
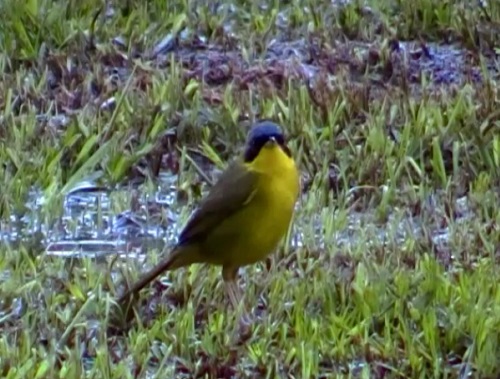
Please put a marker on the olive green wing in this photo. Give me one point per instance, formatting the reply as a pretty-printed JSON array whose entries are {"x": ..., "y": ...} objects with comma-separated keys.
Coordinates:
[{"x": 234, "y": 189}]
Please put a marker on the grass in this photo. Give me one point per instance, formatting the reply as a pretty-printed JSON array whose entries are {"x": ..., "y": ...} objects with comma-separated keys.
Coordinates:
[{"x": 391, "y": 108}]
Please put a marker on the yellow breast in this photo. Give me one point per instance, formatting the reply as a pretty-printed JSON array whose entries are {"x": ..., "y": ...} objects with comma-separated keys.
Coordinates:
[
  {"x": 277, "y": 194},
  {"x": 252, "y": 233},
  {"x": 270, "y": 211},
  {"x": 278, "y": 178}
]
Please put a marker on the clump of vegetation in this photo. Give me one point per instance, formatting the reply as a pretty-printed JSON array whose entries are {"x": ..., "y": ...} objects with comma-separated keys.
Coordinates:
[{"x": 114, "y": 116}]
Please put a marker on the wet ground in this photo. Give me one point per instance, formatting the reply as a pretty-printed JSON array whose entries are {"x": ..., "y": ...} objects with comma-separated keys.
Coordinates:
[
  {"x": 91, "y": 223},
  {"x": 130, "y": 220}
]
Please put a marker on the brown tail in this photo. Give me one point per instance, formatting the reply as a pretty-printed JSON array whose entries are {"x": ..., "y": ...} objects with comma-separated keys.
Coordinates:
[{"x": 179, "y": 257}]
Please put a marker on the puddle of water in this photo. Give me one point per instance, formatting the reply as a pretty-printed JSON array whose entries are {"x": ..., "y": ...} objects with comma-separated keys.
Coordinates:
[
  {"x": 132, "y": 221},
  {"x": 92, "y": 225},
  {"x": 364, "y": 228}
]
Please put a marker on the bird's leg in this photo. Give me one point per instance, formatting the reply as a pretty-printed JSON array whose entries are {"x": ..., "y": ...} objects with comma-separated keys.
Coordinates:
[
  {"x": 229, "y": 274},
  {"x": 233, "y": 293}
]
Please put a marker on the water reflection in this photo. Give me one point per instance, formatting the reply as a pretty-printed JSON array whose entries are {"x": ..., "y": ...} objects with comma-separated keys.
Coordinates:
[
  {"x": 98, "y": 222},
  {"x": 132, "y": 221}
]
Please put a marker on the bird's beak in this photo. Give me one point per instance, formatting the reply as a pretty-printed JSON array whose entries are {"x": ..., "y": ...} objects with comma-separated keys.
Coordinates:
[{"x": 271, "y": 142}]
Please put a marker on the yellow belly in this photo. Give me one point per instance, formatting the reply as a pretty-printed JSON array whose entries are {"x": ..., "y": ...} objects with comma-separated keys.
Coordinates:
[{"x": 252, "y": 233}]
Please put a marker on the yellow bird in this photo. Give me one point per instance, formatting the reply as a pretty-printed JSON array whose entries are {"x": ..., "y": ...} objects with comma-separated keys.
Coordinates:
[{"x": 244, "y": 216}]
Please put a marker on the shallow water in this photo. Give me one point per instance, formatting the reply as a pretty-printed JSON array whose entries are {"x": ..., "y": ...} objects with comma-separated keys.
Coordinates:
[
  {"x": 91, "y": 223},
  {"x": 131, "y": 221}
]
